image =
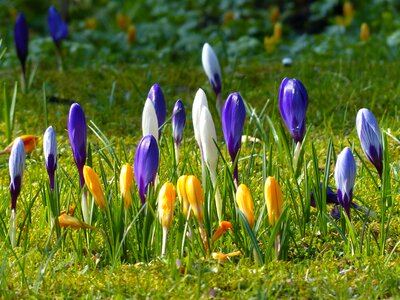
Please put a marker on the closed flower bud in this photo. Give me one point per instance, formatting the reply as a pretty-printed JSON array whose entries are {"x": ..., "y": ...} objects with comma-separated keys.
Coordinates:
[
  {"x": 364, "y": 32},
  {"x": 345, "y": 176},
  {"x": 93, "y": 184},
  {"x": 30, "y": 143},
  {"x": 149, "y": 120},
  {"x": 131, "y": 34},
  {"x": 69, "y": 221},
  {"x": 293, "y": 102},
  {"x": 157, "y": 97},
  {"x": 183, "y": 199},
  {"x": 166, "y": 204},
  {"x": 77, "y": 137},
  {"x": 178, "y": 121},
  {"x": 274, "y": 199},
  {"x": 50, "y": 153},
  {"x": 208, "y": 138},
  {"x": 199, "y": 101},
  {"x": 125, "y": 183},
  {"x": 195, "y": 196},
  {"x": 146, "y": 164},
  {"x": 245, "y": 203},
  {"x": 211, "y": 67},
  {"x": 370, "y": 138},
  {"x": 16, "y": 167},
  {"x": 57, "y": 27},
  {"x": 21, "y": 38}
]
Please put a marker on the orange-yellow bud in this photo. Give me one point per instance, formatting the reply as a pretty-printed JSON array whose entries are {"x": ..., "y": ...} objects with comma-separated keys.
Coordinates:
[
  {"x": 274, "y": 199},
  {"x": 194, "y": 193},
  {"x": 228, "y": 17},
  {"x": 348, "y": 10},
  {"x": 90, "y": 23},
  {"x": 181, "y": 187},
  {"x": 30, "y": 142},
  {"x": 131, "y": 34},
  {"x": 222, "y": 228},
  {"x": 364, "y": 32},
  {"x": 93, "y": 184},
  {"x": 277, "y": 32},
  {"x": 222, "y": 256},
  {"x": 275, "y": 13},
  {"x": 122, "y": 21},
  {"x": 125, "y": 184},
  {"x": 245, "y": 203},
  {"x": 166, "y": 203},
  {"x": 70, "y": 221}
]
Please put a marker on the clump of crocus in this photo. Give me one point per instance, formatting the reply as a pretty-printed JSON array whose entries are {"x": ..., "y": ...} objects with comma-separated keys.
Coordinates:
[
  {"x": 183, "y": 199},
  {"x": 364, "y": 32},
  {"x": 30, "y": 143},
  {"x": 199, "y": 101},
  {"x": 195, "y": 196},
  {"x": 222, "y": 228},
  {"x": 16, "y": 167},
  {"x": 156, "y": 96},
  {"x": 370, "y": 138},
  {"x": 93, "y": 184},
  {"x": 178, "y": 126},
  {"x": 293, "y": 102},
  {"x": 345, "y": 175},
  {"x": 146, "y": 164},
  {"x": 233, "y": 116},
  {"x": 69, "y": 221},
  {"x": 208, "y": 138},
  {"x": 21, "y": 38},
  {"x": 58, "y": 30},
  {"x": 125, "y": 183},
  {"x": 166, "y": 204},
  {"x": 149, "y": 120},
  {"x": 245, "y": 203},
  {"x": 50, "y": 154},
  {"x": 213, "y": 72},
  {"x": 77, "y": 137}
]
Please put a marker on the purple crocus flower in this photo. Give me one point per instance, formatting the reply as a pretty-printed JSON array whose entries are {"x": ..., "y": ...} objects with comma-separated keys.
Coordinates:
[
  {"x": 21, "y": 38},
  {"x": 345, "y": 175},
  {"x": 157, "y": 97},
  {"x": 233, "y": 116},
  {"x": 16, "y": 167},
  {"x": 331, "y": 196},
  {"x": 370, "y": 138},
  {"x": 57, "y": 27},
  {"x": 77, "y": 137},
  {"x": 178, "y": 121},
  {"x": 146, "y": 164},
  {"x": 211, "y": 67},
  {"x": 293, "y": 102},
  {"x": 50, "y": 153}
]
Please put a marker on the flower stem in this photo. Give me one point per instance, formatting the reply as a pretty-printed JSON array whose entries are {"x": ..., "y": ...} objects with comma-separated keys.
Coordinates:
[{"x": 164, "y": 241}]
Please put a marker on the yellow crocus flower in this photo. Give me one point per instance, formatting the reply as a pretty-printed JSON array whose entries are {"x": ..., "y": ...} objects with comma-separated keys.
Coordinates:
[
  {"x": 245, "y": 203},
  {"x": 181, "y": 187},
  {"x": 93, "y": 184},
  {"x": 166, "y": 203},
  {"x": 125, "y": 184},
  {"x": 195, "y": 196},
  {"x": 274, "y": 199}
]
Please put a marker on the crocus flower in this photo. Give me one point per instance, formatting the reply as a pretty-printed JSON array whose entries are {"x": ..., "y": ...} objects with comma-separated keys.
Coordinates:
[
  {"x": 166, "y": 203},
  {"x": 149, "y": 120},
  {"x": 183, "y": 199},
  {"x": 157, "y": 97},
  {"x": 69, "y": 221},
  {"x": 195, "y": 196},
  {"x": 222, "y": 228},
  {"x": 146, "y": 164},
  {"x": 222, "y": 256},
  {"x": 274, "y": 199},
  {"x": 77, "y": 137},
  {"x": 93, "y": 184},
  {"x": 16, "y": 167},
  {"x": 293, "y": 101},
  {"x": 345, "y": 175},
  {"x": 213, "y": 71},
  {"x": 208, "y": 139},
  {"x": 178, "y": 125},
  {"x": 30, "y": 143},
  {"x": 364, "y": 32},
  {"x": 331, "y": 196},
  {"x": 233, "y": 116},
  {"x": 125, "y": 183},
  {"x": 199, "y": 101},
  {"x": 50, "y": 153},
  {"x": 245, "y": 203},
  {"x": 57, "y": 27},
  {"x": 370, "y": 138},
  {"x": 21, "y": 38}
]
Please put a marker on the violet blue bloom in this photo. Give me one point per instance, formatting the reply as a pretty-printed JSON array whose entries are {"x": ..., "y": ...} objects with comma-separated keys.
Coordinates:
[
  {"x": 233, "y": 116},
  {"x": 178, "y": 121},
  {"x": 77, "y": 137},
  {"x": 370, "y": 138},
  {"x": 16, "y": 167},
  {"x": 50, "y": 153},
  {"x": 157, "y": 97},
  {"x": 146, "y": 164},
  {"x": 331, "y": 196},
  {"x": 211, "y": 67},
  {"x": 293, "y": 102},
  {"x": 57, "y": 27},
  {"x": 345, "y": 175},
  {"x": 21, "y": 38}
]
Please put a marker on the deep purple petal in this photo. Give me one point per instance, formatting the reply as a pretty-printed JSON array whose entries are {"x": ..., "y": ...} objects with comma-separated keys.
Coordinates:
[
  {"x": 57, "y": 27},
  {"x": 15, "y": 189},
  {"x": 157, "y": 97},
  {"x": 21, "y": 38},
  {"x": 178, "y": 121}
]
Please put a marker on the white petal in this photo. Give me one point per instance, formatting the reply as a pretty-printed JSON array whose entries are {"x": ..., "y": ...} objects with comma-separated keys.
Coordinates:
[
  {"x": 149, "y": 120},
  {"x": 208, "y": 139},
  {"x": 210, "y": 62},
  {"x": 199, "y": 101},
  {"x": 16, "y": 163}
]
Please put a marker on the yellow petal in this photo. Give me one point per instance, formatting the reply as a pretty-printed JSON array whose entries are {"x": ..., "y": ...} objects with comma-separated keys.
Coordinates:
[
  {"x": 70, "y": 221},
  {"x": 94, "y": 186},
  {"x": 195, "y": 196},
  {"x": 166, "y": 203},
  {"x": 364, "y": 32},
  {"x": 245, "y": 203},
  {"x": 125, "y": 183},
  {"x": 273, "y": 199},
  {"x": 222, "y": 228},
  {"x": 181, "y": 187},
  {"x": 30, "y": 143}
]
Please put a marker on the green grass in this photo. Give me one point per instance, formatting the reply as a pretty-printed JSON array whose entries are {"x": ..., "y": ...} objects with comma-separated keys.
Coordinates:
[{"x": 318, "y": 263}]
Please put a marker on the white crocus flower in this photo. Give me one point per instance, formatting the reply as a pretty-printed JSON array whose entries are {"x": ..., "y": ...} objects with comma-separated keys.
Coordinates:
[{"x": 149, "y": 120}]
